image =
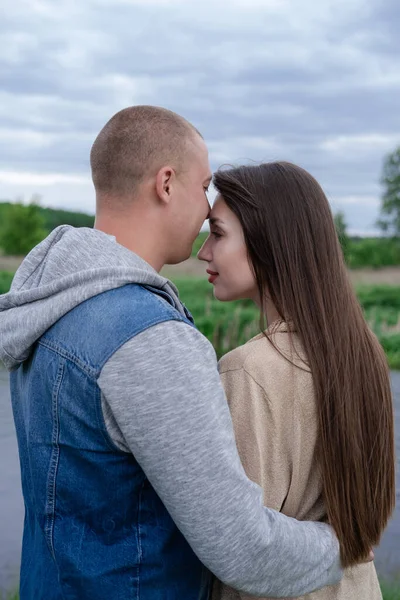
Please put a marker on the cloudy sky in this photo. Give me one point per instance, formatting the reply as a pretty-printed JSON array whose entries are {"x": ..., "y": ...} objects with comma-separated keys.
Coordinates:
[{"x": 314, "y": 82}]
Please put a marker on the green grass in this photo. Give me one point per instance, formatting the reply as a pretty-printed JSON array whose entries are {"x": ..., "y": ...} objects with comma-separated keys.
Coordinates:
[
  {"x": 390, "y": 591},
  {"x": 199, "y": 241},
  {"x": 9, "y": 596},
  {"x": 226, "y": 325},
  {"x": 5, "y": 282},
  {"x": 230, "y": 324}
]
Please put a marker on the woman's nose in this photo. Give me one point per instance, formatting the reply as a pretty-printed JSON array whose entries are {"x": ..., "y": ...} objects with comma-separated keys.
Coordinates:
[{"x": 203, "y": 253}]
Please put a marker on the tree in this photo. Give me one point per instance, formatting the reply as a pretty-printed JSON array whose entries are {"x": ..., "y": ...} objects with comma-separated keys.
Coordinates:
[
  {"x": 341, "y": 230},
  {"x": 22, "y": 228},
  {"x": 389, "y": 220}
]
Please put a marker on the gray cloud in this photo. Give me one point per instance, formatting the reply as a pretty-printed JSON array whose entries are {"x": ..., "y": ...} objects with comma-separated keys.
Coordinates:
[{"x": 315, "y": 84}]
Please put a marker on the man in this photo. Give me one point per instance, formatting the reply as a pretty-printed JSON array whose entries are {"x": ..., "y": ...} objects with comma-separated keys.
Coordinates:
[{"x": 130, "y": 473}]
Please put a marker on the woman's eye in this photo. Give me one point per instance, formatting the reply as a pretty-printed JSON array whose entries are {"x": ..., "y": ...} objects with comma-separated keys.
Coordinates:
[{"x": 215, "y": 234}]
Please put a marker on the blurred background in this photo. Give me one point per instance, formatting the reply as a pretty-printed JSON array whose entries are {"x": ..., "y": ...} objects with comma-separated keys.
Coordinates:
[{"x": 317, "y": 84}]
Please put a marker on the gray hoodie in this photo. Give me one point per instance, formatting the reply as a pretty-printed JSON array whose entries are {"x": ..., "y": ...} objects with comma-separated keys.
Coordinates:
[{"x": 174, "y": 418}]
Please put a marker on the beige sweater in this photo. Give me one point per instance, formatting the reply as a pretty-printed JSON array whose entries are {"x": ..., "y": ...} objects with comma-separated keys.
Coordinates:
[{"x": 274, "y": 415}]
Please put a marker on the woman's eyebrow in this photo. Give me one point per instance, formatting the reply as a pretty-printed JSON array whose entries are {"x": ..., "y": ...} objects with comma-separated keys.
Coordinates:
[{"x": 215, "y": 221}]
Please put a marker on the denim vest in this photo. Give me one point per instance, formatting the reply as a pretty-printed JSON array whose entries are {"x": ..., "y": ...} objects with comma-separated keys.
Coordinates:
[{"x": 94, "y": 527}]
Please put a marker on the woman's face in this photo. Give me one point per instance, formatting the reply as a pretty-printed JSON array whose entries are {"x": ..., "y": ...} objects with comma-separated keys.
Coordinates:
[{"x": 225, "y": 252}]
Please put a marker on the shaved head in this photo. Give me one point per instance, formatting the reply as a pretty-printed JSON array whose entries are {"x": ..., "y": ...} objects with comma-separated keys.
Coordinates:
[{"x": 134, "y": 144}]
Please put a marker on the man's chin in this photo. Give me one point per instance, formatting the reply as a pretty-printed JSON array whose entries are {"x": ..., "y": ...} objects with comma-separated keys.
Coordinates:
[{"x": 177, "y": 260}]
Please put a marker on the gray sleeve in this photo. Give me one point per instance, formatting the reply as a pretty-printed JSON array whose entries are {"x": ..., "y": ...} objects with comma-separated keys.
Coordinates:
[{"x": 165, "y": 394}]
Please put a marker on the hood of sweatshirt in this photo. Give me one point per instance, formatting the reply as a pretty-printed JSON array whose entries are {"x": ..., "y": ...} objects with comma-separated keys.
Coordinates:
[{"x": 70, "y": 266}]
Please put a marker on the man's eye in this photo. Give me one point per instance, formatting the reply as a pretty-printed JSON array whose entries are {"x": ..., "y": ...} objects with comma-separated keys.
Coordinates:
[{"x": 206, "y": 190}]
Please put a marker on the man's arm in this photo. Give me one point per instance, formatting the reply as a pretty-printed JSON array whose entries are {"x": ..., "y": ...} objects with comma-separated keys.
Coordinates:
[{"x": 165, "y": 394}]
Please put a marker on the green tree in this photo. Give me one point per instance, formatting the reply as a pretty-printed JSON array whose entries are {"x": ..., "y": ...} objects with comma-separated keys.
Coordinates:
[
  {"x": 389, "y": 220},
  {"x": 341, "y": 230},
  {"x": 22, "y": 228}
]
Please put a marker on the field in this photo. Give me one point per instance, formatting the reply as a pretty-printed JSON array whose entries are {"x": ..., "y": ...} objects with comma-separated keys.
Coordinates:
[
  {"x": 365, "y": 276},
  {"x": 10, "y": 263},
  {"x": 228, "y": 325},
  {"x": 196, "y": 268}
]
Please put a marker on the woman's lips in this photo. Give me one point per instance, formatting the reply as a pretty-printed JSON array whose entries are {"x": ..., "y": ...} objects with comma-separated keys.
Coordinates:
[{"x": 213, "y": 275}]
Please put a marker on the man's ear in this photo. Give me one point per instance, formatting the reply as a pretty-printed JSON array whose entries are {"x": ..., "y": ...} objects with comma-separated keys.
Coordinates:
[{"x": 165, "y": 180}]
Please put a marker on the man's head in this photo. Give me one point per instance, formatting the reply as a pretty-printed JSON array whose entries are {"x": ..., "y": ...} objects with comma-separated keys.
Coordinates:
[{"x": 150, "y": 164}]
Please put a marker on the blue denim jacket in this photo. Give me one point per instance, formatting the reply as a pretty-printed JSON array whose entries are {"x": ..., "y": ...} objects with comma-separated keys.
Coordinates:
[{"x": 94, "y": 526}]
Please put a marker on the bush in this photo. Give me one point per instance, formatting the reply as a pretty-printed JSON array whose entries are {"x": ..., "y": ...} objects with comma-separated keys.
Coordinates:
[
  {"x": 358, "y": 252},
  {"x": 5, "y": 281},
  {"x": 373, "y": 252},
  {"x": 231, "y": 324},
  {"x": 226, "y": 325},
  {"x": 199, "y": 241},
  {"x": 53, "y": 217},
  {"x": 22, "y": 229},
  {"x": 379, "y": 295},
  {"x": 23, "y": 226}
]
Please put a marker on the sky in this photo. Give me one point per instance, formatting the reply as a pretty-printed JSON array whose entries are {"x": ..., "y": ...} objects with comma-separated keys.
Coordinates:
[{"x": 315, "y": 83}]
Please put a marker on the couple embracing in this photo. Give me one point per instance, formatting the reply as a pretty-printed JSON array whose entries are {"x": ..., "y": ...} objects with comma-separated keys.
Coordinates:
[{"x": 149, "y": 471}]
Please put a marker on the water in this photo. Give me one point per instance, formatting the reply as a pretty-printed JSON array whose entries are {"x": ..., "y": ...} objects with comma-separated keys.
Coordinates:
[{"x": 11, "y": 505}]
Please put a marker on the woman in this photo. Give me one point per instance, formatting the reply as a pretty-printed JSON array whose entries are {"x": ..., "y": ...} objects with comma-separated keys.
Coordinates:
[{"x": 310, "y": 396}]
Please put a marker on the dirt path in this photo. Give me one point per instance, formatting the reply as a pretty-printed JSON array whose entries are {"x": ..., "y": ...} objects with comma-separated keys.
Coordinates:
[
  {"x": 386, "y": 275},
  {"x": 195, "y": 268},
  {"x": 10, "y": 263}
]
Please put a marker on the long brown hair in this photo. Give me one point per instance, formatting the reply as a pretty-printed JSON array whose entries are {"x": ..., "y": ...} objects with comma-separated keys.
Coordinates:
[{"x": 295, "y": 254}]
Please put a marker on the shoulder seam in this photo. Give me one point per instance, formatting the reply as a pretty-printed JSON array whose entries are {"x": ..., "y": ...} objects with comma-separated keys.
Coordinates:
[{"x": 243, "y": 368}]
